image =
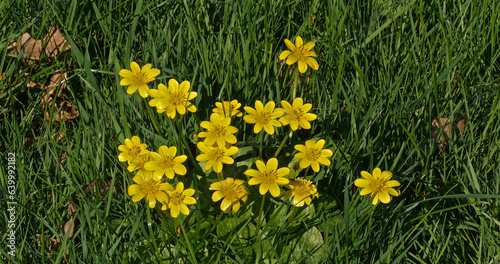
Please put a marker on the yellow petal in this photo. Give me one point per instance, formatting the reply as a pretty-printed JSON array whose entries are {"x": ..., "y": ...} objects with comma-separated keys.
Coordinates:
[
  {"x": 254, "y": 181},
  {"x": 384, "y": 197},
  {"x": 217, "y": 196},
  {"x": 392, "y": 183},
  {"x": 367, "y": 175},
  {"x": 189, "y": 200},
  {"x": 386, "y": 175},
  {"x": 299, "y": 42},
  {"x": 282, "y": 172},
  {"x": 274, "y": 190},
  {"x": 174, "y": 211},
  {"x": 263, "y": 188},
  {"x": 361, "y": 183},
  {"x": 377, "y": 173},
  {"x": 312, "y": 63},
  {"x": 272, "y": 164},
  {"x": 309, "y": 46},
  {"x": 290, "y": 45},
  {"x": 179, "y": 187},
  {"x": 135, "y": 67},
  {"x": 226, "y": 203},
  {"x": 375, "y": 199},
  {"x": 260, "y": 165},
  {"x": 284, "y": 54},
  {"x": 184, "y": 209},
  {"x": 133, "y": 189},
  {"x": 188, "y": 192},
  {"x": 252, "y": 173},
  {"x": 302, "y": 66},
  {"x": 217, "y": 167},
  {"x": 315, "y": 166},
  {"x": 126, "y": 73},
  {"x": 291, "y": 59}
]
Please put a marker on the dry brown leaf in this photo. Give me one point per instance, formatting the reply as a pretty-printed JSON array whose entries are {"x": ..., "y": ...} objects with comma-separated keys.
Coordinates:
[
  {"x": 102, "y": 189},
  {"x": 33, "y": 48},
  {"x": 446, "y": 125},
  {"x": 69, "y": 227},
  {"x": 66, "y": 112},
  {"x": 57, "y": 81},
  {"x": 55, "y": 43}
]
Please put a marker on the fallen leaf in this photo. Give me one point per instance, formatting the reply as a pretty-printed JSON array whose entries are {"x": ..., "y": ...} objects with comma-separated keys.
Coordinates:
[
  {"x": 448, "y": 128},
  {"x": 63, "y": 111},
  {"x": 56, "y": 44},
  {"x": 32, "y": 51},
  {"x": 102, "y": 189},
  {"x": 57, "y": 82},
  {"x": 69, "y": 227}
]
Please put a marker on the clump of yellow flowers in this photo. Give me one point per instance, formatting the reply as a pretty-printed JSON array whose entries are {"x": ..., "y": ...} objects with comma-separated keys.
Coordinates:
[{"x": 160, "y": 175}]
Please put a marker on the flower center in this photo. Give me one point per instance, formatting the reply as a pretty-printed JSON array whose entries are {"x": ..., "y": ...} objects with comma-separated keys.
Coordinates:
[
  {"x": 300, "y": 53},
  {"x": 149, "y": 187},
  {"x": 313, "y": 154},
  {"x": 178, "y": 98},
  {"x": 217, "y": 154},
  {"x": 263, "y": 118},
  {"x": 166, "y": 162},
  {"x": 378, "y": 185},
  {"x": 229, "y": 191},
  {"x": 139, "y": 78},
  {"x": 135, "y": 150},
  {"x": 294, "y": 114},
  {"x": 269, "y": 177},
  {"x": 176, "y": 198},
  {"x": 219, "y": 131}
]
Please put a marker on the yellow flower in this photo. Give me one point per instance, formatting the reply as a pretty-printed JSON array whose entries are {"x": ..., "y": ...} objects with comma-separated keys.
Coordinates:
[
  {"x": 312, "y": 154},
  {"x": 179, "y": 199},
  {"x": 218, "y": 130},
  {"x": 149, "y": 188},
  {"x": 165, "y": 162},
  {"x": 138, "y": 78},
  {"x": 131, "y": 149},
  {"x": 301, "y": 191},
  {"x": 228, "y": 109},
  {"x": 138, "y": 162},
  {"x": 297, "y": 114},
  {"x": 263, "y": 116},
  {"x": 379, "y": 185},
  {"x": 300, "y": 53},
  {"x": 232, "y": 191},
  {"x": 215, "y": 156},
  {"x": 178, "y": 98},
  {"x": 268, "y": 176},
  {"x": 160, "y": 99}
]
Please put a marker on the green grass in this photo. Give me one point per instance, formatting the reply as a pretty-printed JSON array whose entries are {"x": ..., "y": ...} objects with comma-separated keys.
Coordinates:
[{"x": 387, "y": 69}]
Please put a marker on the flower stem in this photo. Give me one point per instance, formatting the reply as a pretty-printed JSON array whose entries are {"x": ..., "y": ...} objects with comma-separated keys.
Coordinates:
[
  {"x": 287, "y": 136},
  {"x": 220, "y": 176},
  {"x": 151, "y": 117},
  {"x": 188, "y": 149},
  {"x": 291, "y": 217},
  {"x": 261, "y": 139},
  {"x": 150, "y": 228},
  {"x": 295, "y": 82},
  {"x": 307, "y": 171},
  {"x": 191, "y": 250},
  {"x": 217, "y": 221},
  {"x": 260, "y": 212}
]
